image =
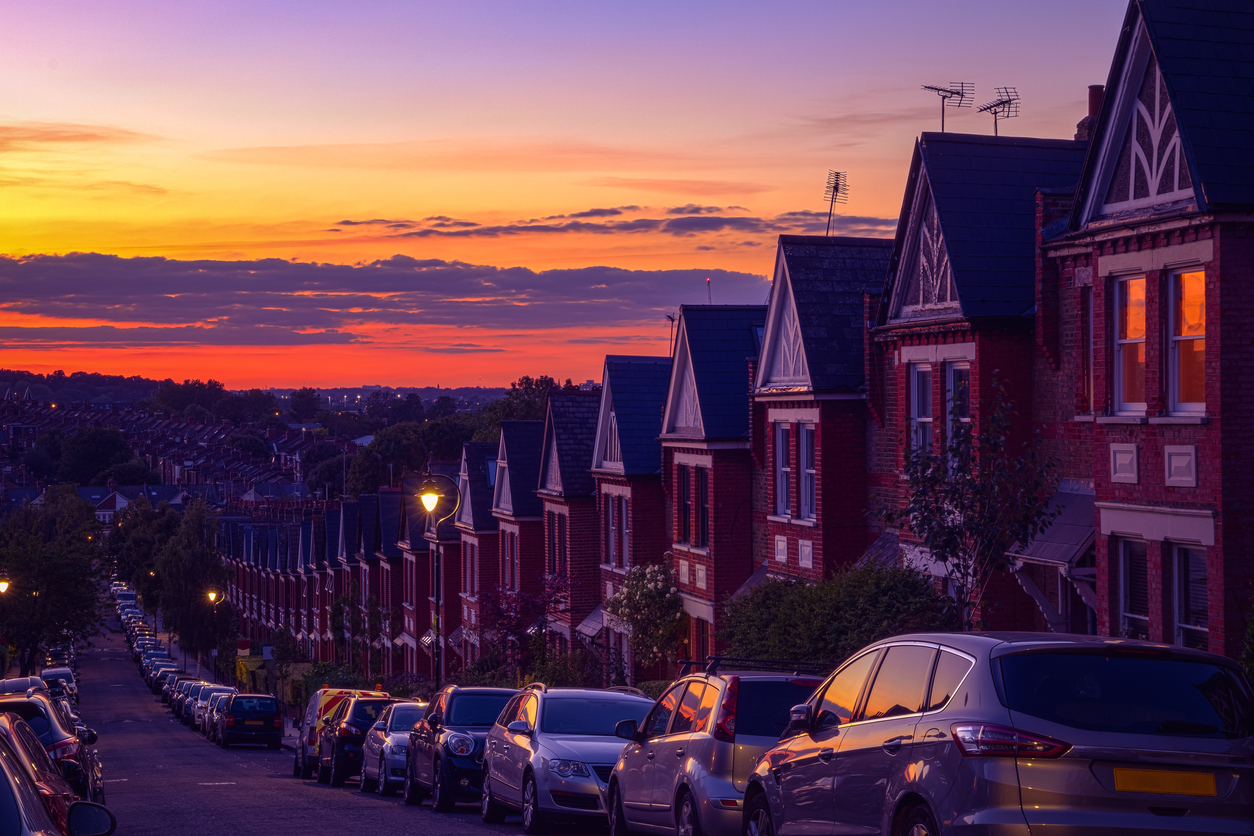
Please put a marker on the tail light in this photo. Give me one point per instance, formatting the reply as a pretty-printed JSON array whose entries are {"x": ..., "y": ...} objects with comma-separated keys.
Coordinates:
[
  {"x": 348, "y": 730},
  {"x": 230, "y": 718},
  {"x": 278, "y": 722},
  {"x": 985, "y": 740},
  {"x": 725, "y": 725},
  {"x": 65, "y": 750}
]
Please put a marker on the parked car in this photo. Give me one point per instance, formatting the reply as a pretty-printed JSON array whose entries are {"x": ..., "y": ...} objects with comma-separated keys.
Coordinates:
[
  {"x": 55, "y": 791},
  {"x": 551, "y": 752},
  {"x": 24, "y": 812},
  {"x": 320, "y": 705},
  {"x": 201, "y": 702},
  {"x": 250, "y": 718},
  {"x": 213, "y": 712},
  {"x": 444, "y": 757},
  {"x": 686, "y": 767},
  {"x": 934, "y": 733},
  {"x": 383, "y": 753},
  {"x": 63, "y": 675},
  {"x": 70, "y": 747},
  {"x": 187, "y": 706},
  {"x": 341, "y": 737}
]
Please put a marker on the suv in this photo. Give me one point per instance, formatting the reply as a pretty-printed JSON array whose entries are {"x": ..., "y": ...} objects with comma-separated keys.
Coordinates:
[
  {"x": 250, "y": 718},
  {"x": 551, "y": 752},
  {"x": 71, "y": 748},
  {"x": 934, "y": 733},
  {"x": 686, "y": 768},
  {"x": 341, "y": 737},
  {"x": 321, "y": 704},
  {"x": 445, "y": 752}
]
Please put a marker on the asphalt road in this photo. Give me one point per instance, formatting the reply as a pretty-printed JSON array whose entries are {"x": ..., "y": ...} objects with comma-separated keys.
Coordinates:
[{"x": 163, "y": 778}]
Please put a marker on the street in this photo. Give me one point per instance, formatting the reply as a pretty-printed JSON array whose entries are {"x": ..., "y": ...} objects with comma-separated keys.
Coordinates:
[{"x": 163, "y": 778}]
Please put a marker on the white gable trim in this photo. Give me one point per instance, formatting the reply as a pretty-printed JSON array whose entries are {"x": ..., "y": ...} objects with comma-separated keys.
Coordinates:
[
  {"x": 783, "y": 360},
  {"x": 683, "y": 406},
  {"x": 603, "y": 428},
  {"x": 552, "y": 480},
  {"x": 923, "y": 213},
  {"x": 501, "y": 499}
]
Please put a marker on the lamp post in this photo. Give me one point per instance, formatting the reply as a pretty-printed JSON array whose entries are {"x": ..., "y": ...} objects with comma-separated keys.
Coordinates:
[
  {"x": 430, "y": 495},
  {"x": 215, "y": 597},
  {"x": 4, "y": 587}
]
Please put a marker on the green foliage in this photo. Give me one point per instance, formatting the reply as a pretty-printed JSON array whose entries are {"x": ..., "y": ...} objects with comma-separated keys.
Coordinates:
[
  {"x": 251, "y": 406},
  {"x": 189, "y": 565},
  {"x": 92, "y": 450},
  {"x": 50, "y": 555},
  {"x": 654, "y": 687},
  {"x": 134, "y": 472},
  {"x": 135, "y": 541},
  {"x": 651, "y": 606},
  {"x": 250, "y": 444},
  {"x": 332, "y": 675},
  {"x": 828, "y": 621},
  {"x": 444, "y": 437},
  {"x": 575, "y": 669},
  {"x": 176, "y": 397},
  {"x": 400, "y": 446},
  {"x": 329, "y": 473},
  {"x": 304, "y": 404},
  {"x": 972, "y": 502},
  {"x": 526, "y": 400},
  {"x": 443, "y": 407},
  {"x": 45, "y": 457}
]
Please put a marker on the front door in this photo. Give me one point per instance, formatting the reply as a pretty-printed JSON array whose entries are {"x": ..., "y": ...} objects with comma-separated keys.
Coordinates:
[{"x": 636, "y": 779}]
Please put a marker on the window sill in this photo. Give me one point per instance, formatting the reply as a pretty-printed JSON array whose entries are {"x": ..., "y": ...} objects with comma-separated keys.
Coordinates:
[
  {"x": 687, "y": 549},
  {"x": 1120, "y": 419},
  {"x": 779, "y": 518},
  {"x": 1179, "y": 419},
  {"x": 618, "y": 570},
  {"x": 1087, "y": 419}
]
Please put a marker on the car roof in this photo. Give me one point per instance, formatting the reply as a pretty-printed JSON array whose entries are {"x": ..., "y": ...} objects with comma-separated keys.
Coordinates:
[
  {"x": 59, "y": 669},
  {"x": 459, "y": 689},
  {"x": 599, "y": 693}
]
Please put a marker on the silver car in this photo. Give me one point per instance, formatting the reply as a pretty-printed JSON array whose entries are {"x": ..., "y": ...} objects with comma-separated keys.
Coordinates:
[
  {"x": 551, "y": 752},
  {"x": 383, "y": 752},
  {"x": 200, "y": 707},
  {"x": 1014, "y": 733}
]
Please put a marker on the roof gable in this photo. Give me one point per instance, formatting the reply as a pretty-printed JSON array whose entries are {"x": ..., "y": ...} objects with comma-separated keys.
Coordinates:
[
  {"x": 518, "y": 468},
  {"x": 476, "y": 481},
  {"x": 633, "y": 393},
  {"x": 708, "y": 395},
  {"x": 569, "y": 436}
]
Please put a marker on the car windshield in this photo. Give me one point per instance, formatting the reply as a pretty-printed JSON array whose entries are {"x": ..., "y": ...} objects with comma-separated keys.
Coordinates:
[
  {"x": 254, "y": 704},
  {"x": 34, "y": 715},
  {"x": 1130, "y": 694},
  {"x": 762, "y": 705},
  {"x": 475, "y": 709},
  {"x": 404, "y": 717},
  {"x": 367, "y": 712},
  {"x": 590, "y": 715}
]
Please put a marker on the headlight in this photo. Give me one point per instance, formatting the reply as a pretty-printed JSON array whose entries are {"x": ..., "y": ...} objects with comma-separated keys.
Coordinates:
[
  {"x": 460, "y": 744},
  {"x": 398, "y": 748},
  {"x": 566, "y": 769}
]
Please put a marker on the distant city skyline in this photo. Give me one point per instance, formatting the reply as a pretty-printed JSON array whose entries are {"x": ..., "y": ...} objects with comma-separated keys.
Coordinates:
[{"x": 313, "y": 193}]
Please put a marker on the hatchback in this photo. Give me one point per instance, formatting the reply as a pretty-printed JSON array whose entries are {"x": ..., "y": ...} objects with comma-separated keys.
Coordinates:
[
  {"x": 71, "y": 748},
  {"x": 56, "y": 793},
  {"x": 445, "y": 751},
  {"x": 250, "y": 718},
  {"x": 383, "y": 753},
  {"x": 342, "y": 736},
  {"x": 1014, "y": 732},
  {"x": 24, "y": 812}
]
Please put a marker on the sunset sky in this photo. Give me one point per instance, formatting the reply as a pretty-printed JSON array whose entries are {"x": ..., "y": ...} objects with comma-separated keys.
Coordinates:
[{"x": 312, "y": 193}]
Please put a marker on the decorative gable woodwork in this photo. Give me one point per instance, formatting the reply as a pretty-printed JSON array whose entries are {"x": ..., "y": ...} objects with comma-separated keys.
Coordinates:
[
  {"x": 605, "y": 419},
  {"x": 683, "y": 408},
  {"x": 613, "y": 453},
  {"x": 552, "y": 471},
  {"x": 688, "y": 409},
  {"x": 784, "y": 358},
  {"x": 925, "y": 284},
  {"x": 501, "y": 499}
]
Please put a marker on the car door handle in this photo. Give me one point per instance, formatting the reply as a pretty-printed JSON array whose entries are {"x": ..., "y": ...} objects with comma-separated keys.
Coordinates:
[
  {"x": 679, "y": 753},
  {"x": 649, "y": 756},
  {"x": 826, "y": 754},
  {"x": 893, "y": 744}
]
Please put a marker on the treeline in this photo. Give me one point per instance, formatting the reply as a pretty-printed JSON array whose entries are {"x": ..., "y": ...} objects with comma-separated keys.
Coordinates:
[
  {"x": 79, "y": 387},
  {"x": 89, "y": 456}
]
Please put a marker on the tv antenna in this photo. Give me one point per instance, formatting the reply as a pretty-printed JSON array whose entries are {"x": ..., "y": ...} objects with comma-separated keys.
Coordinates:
[
  {"x": 670, "y": 317},
  {"x": 957, "y": 94},
  {"x": 1005, "y": 106},
  {"x": 837, "y": 191}
]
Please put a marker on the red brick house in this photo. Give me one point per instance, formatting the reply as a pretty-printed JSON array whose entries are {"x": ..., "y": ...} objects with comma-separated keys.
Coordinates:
[
  {"x": 518, "y": 508},
  {"x": 416, "y": 580},
  {"x": 809, "y": 406},
  {"x": 706, "y": 460},
  {"x": 626, "y": 465},
  {"x": 444, "y": 575},
  {"x": 479, "y": 529}
]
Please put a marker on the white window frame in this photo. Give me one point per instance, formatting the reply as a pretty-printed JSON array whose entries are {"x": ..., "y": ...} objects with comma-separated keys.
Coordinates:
[
  {"x": 918, "y": 420},
  {"x": 783, "y": 469},
  {"x": 1177, "y": 558},
  {"x": 951, "y": 389},
  {"x": 1128, "y": 407},
  {"x": 1125, "y": 591},
  {"x": 1173, "y": 367},
  {"x": 808, "y": 471}
]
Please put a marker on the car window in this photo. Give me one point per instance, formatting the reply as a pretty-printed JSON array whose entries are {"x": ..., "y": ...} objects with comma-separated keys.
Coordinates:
[
  {"x": 24, "y": 796},
  {"x": 705, "y": 713},
  {"x": 686, "y": 716},
  {"x": 367, "y": 713},
  {"x": 529, "y": 711},
  {"x": 762, "y": 704},
  {"x": 841, "y": 696},
  {"x": 950, "y": 670},
  {"x": 35, "y": 749},
  {"x": 899, "y": 682},
  {"x": 660, "y": 717},
  {"x": 588, "y": 715},
  {"x": 404, "y": 717},
  {"x": 257, "y": 704},
  {"x": 33, "y": 714},
  {"x": 437, "y": 706},
  {"x": 478, "y": 709},
  {"x": 509, "y": 713}
]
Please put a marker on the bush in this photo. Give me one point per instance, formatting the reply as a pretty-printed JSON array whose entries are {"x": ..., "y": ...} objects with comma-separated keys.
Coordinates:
[{"x": 828, "y": 621}]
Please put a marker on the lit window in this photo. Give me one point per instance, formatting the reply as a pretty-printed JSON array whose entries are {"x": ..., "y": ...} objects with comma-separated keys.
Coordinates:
[
  {"x": 1188, "y": 342},
  {"x": 1130, "y": 345},
  {"x": 703, "y": 506},
  {"x": 1191, "y": 599},
  {"x": 685, "y": 504},
  {"x": 1134, "y": 589},
  {"x": 809, "y": 473},
  {"x": 783, "y": 469},
  {"x": 959, "y": 394},
  {"x": 1088, "y": 399},
  {"x": 921, "y": 408}
]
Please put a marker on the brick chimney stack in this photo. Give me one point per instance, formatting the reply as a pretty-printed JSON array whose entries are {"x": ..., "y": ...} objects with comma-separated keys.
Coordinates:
[{"x": 1084, "y": 129}]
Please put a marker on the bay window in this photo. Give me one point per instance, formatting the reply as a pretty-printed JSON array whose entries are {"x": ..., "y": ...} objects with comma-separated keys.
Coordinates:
[
  {"x": 783, "y": 469},
  {"x": 1130, "y": 345},
  {"x": 1134, "y": 589},
  {"x": 1191, "y": 598},
  {"x": 958, "y": 395},
  {"x": 921, "y": 408},
  {"x": 1188, "y": 342},
  {"x": 809, "y": 473},
  {"x": 684, "y": 504}
]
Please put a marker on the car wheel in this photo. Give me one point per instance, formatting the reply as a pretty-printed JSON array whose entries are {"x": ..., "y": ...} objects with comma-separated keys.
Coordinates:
[
  {"x": 296, "y": 764},
  {"x": 532, "y": 819},
  {"x": 324, "y": 772},
  {"x": 618, "y": 822},
  {"x": 223, "y": 742},
  {"x": 365, "y": 785},
  {"x": 383, "y": 786},
  {"x": 441, "y": 798},
  {"x": 918, "y": 822},
  {"x": 758, "y": 817},
  {"x": 413, "y": 792},
  {"x": 686, "y": 821},
  {"x": 339, "y": 774},
  {"x": 489, "y": 810}
]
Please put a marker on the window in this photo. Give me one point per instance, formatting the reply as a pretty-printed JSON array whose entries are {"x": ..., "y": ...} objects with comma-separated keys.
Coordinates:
[
  {"x": 686, "y": 717},
  {"x": 1087, "y": 398},
  {"x": 608, "y": 509},
  {"x": 1188, "y": 342},
  {"x": 562, "y": 555},
  {"x": 1130, "y": 345},
  {"x": 702, "y": 629},
  {"x": 1191, "y": 598},
  {"x": 809, "y": 474},
  {"x": 958, "y": 395},
  {"x": 703, "y": 507},
  {"x": 899, "y": 682},
  {"x": 921, "y": 408},
  {"x": 783, "y": 470},
  {"x": 517, "y": 557},
  {"x": 660, "y": 717},
  {"x": 624, "y": 533},
  {"x": 951, "y": 669},
  {"x": 841, "y": 696},
  {"x": 1134, "y": 589},
  {"x": 685, "y": 504}
]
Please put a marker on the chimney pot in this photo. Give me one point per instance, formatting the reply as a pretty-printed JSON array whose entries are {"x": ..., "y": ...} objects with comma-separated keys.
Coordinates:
[{"x": 1096, "y": 93}]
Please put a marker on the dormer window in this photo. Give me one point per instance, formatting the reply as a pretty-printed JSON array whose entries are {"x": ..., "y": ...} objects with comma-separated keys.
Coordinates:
[{"x": 491, "y": 466}]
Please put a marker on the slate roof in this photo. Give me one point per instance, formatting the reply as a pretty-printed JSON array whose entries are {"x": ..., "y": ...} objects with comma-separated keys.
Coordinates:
[
  {"x": 1070, "y": 533},
  {"x": 350, "y": 533},
  {"x": 368, "y": 514},
  {"x": 389, "y": 523},
  {"x": 828, "y": 276},
  {"x": 572, "y": 419},
  {"x": 984, "y": 189},
  {"x": 327, "y": 555},
  {"x": 637, "y": 390},
  {"x": 1205, "y": 49},
  {"x": 524, "y": 445},
  {"x": 479, "y": 496},
  {"x": 721, "y": 338},
  {"x": 446, "y": 529}
]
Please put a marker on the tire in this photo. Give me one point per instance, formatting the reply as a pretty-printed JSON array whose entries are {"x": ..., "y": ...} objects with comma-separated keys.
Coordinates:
[
  {"x": 383, "y": 786},
  {"x": 686, "y": 821},
  {"x": 532, "y": 819},
  {"x": 916, "y": 822},
  {"x": 306, "y": 768},
  {"x": 324, "y": 772},
  {"x": 758, "y": 817},
  {"x": 489, "y": 810},
  {"x": 365, "y": 785},
  {"x": 338, "y": 773},
  {"x": 413, "y": 793},
  {"x": 223, "y": 742},
  {"x": 441, "y": 797},
  {"x": 618, "y": 821},
  {"x": 273, "y": 744},
  {"x": 296, "y": 770}
]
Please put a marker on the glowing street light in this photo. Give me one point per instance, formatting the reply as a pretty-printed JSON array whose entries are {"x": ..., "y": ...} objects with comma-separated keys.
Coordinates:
[{"x": 4, "y": 585}]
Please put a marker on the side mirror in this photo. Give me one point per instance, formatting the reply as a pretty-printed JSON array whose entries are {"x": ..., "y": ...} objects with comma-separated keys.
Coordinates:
[
  {"x": 88, "y": 819},
  {"x": 88, "y": 736},
  {"x": 378, "y": 727},
  {"x": 518, "y": 727},
  {"x": 435, "y": 720},
  {"x": 626, "y": 729},
  {"x": 326, "y": 721},
  {"x": 800, "y": 719}
]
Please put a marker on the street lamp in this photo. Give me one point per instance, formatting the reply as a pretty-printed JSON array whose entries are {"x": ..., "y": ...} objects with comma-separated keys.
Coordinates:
[
  {"x": 430, "y": 495},
  {"x": 215, "y": 597},
  {"x": 4, "y": 584}
]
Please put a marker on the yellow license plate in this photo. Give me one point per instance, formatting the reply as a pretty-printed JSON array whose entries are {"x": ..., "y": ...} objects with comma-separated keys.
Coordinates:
[
  {"x": 1166, "y": 783},
  {"x": 259, "y": 722}
]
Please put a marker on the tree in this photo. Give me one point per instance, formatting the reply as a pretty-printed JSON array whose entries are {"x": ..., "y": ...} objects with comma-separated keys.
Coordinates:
[
  {"x": 251, "y": 406},
  {"x": 49, "y": 554},
  {"x": 972, "y": 502},
  {"x": 651, "y": 606},
  {"x": 830, "y": 620},
  {"x": 92, "y": 450},
  {"x": 442, "y": 407},
  {"x": 400, "y": 446},
  {"x": 250, "y": 444},
  {"x": 526, "y": 400},
  {"x": 304, "y": 404},
  {"x": 174, "y": 397},
  {"x": 135, "y": 544},
  {"x": 329, "y": 473},
  {"x": 134, "y": 472},
  {"x": 189, "y": 566}
]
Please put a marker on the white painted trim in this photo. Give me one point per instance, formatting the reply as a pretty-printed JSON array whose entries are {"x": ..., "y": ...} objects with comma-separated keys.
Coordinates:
[
  {"x": 793, "y": 416},
  {"x": 510, "y": 528},
  {"x": 556, "y": 507},
  {"x": 1180, "y": 454},
  {"x": 698, "y": 444},
  {"x": 782, "y": 306},
  {"x": 1130, "y": 476},
  {"x": 770, "y": 395},
  {"x": 609, "y": 489},
  {"x": 1147, "y": 522},
  {"x": 689, "y": 549},
  {"x": 1159, "y": 258},
  {"x": 694, "y": 459},
  {"x": 697, "y": 608},
  {"x": 604, "y": 408},
  {"x": 937, "y": 353}
]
